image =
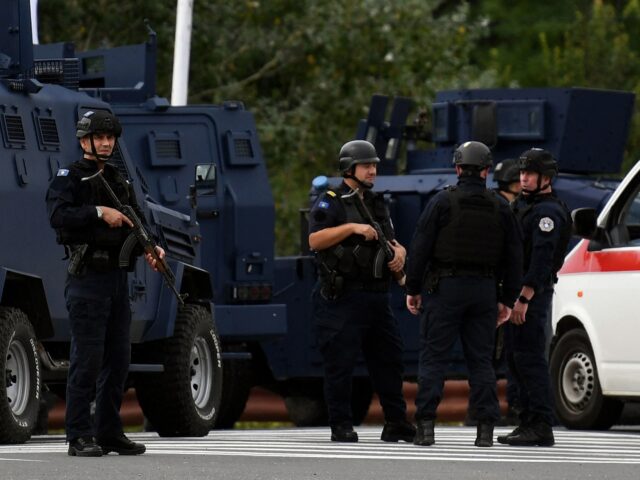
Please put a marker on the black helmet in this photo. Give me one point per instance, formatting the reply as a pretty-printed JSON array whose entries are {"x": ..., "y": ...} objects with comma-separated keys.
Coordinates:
[
  {"x": 507, "y": 171},
  {"x": 99, "y": 121},
  {"x": 539, "y": 161},
  {"x": 473, "y": 153},
  {"x": 357, "y": 151}
]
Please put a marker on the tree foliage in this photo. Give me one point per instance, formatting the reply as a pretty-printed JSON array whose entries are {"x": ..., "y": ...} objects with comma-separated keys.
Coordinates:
[
  {"x": 597, "y": 51},
  {"x": 585, "y": 43},
  {"x": 307, "y": 69}
]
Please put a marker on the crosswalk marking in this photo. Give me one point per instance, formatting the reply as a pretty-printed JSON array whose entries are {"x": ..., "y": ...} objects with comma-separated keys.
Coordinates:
[{"x": 452, "y": 444}]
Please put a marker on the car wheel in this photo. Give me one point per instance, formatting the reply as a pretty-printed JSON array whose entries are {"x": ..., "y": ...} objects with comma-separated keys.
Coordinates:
[
  {"x": 578, "y": 397},
  {"x": 21, "y": 374},
  {"x": 184, "y": 399}
]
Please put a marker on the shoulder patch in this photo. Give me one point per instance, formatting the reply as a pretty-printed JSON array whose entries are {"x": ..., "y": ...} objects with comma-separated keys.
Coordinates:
[
  {"x": 63, "y": 172},
  {"x": 323, "y": 204},
  {"x": 546, "y": 224},
  {"x": 331, "y": 193}
]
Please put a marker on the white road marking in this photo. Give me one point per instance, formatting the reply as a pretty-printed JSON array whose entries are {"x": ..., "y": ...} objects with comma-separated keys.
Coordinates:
[{"x": 452, "y": 444}]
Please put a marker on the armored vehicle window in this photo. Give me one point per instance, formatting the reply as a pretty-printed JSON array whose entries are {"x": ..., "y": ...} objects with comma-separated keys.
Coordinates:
[{"x": 206, "y": 179}]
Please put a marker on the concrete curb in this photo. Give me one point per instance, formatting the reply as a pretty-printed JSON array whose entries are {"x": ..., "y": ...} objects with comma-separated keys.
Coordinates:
[{"x": 266, "y": 406}]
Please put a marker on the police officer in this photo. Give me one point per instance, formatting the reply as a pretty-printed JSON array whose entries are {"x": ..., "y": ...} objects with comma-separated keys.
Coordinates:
[
  {"x": 351, "y": 302},
  {"x": 96, "y": 289},
  {"x": 507, "y": 175},
  {"x": 546, "y": 225},
  {"x": 466, "y": 241}
]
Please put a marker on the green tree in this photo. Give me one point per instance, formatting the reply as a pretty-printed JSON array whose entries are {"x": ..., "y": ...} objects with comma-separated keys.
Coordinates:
[
  {"x": 513, "y": 46},
  {"x": 597, "y": 51},
  {"x": 91, "y": 24},
  {"x": 306, "y": 69},
  {"x": 586, "y": 43}
]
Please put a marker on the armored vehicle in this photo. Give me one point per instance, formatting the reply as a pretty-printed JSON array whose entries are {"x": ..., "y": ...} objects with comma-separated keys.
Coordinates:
[
  {"x": 176, "y": 358},
  {"x": 202, "y": 166}
]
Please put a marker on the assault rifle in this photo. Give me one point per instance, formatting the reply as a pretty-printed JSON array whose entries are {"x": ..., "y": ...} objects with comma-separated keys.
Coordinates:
[
  {"x": 388, "y": 252},
  {"x": 139, "y": 236}
]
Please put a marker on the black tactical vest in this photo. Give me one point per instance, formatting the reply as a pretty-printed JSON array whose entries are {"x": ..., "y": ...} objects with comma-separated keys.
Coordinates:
[
  {"x": 98, "y": 235},
  {"x": 473, "y": 237},
  {"x": 355, "y": 259}
]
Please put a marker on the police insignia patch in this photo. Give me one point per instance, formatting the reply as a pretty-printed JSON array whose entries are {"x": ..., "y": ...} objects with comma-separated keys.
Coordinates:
[
  {"x": 546, "y": 224},
  {"x": 63, "y": 172}
]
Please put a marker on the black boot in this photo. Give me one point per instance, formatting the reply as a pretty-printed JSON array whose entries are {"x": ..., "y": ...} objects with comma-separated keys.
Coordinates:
[
  {"x": 536, "y": 434},
  {"x": 121, "y": 445},
  {"x": 504, "y": 439},
  {"x": 84, "y": 447},
  {"x": 484, "y": 437},
  {"x": 395, "y": 431},
  {"x": 424, "y": 434},
  {"x": 343, "y": 433}
]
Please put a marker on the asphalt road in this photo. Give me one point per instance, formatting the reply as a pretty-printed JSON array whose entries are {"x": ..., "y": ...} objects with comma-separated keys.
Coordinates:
[{"x": 298, "y": 454}]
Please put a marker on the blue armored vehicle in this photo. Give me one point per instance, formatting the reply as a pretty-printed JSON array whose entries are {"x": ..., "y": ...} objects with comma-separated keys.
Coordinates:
[
  {"x": 176, "y": 356},
  {"x": 206, "y": 161},
  {"x": 203, "y": 167}
]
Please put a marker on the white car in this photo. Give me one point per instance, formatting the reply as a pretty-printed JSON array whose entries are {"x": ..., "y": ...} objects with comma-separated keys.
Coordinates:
[{"x": 595, "y": 356}]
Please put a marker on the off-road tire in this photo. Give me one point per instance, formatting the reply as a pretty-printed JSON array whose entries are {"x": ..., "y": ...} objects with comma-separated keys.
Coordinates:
[
  {"x": 578, "y": 397},
  {"x": 21, "y": 374},
  {"x": 185, "y": 398}
]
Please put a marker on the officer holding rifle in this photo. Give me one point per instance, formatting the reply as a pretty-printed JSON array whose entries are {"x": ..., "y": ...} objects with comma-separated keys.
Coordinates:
[
  {"x": 94, "y": 232},
  {"x": 357, "y": 256}
]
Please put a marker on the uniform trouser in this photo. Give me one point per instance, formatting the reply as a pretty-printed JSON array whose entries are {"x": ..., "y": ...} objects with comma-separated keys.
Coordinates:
[
  {"x": 359, "y": 322},
  {"x": 100, "y": 318},
  {"x": 527, "y": 357},
  {"x": 465, "y": 308}
]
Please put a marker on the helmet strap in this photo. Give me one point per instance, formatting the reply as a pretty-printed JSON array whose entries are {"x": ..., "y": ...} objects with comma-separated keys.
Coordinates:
[
  {"x": 99, "y": 157},
  {"x": 539, "y": 188},
  {"x": 350, "y": 175}
]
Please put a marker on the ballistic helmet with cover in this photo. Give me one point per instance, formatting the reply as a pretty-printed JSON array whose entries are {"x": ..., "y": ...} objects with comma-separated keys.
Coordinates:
[
  {"x": 98, "y": 121},
  {"x": 355, "y": 152},
  {"x": 473, "y": 153},
  {"x": 507, "y": 171},
  {"x": 539, "y": 161}
]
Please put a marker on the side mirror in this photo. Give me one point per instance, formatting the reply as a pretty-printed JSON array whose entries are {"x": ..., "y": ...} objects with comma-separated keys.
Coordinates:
[
  {"x": 585, "y": 222},
  {"x": 205, "y": 182}
]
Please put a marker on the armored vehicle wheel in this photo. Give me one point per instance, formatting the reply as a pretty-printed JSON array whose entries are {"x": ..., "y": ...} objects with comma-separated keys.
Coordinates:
[
  {"x": 21, "y": 372},
  {"x": 306, "y": 405},
  {"x": 578, "y": 396},
  {"x": 184, "y": 399},
  {"x": 237, "y": 380}
]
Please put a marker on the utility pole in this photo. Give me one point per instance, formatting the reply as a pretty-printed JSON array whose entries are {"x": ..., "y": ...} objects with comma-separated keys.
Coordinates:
[{"x": 182, "y": 48}]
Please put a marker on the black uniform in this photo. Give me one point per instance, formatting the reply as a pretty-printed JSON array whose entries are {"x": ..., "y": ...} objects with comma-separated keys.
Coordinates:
[
  {"x": 546, "y": 225},
  {"x": 97, "y": 297},
  {"x": 467, "y": 240},
  {"x": 500, "y": 357},
  {"x": 351, "y": 309}
]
